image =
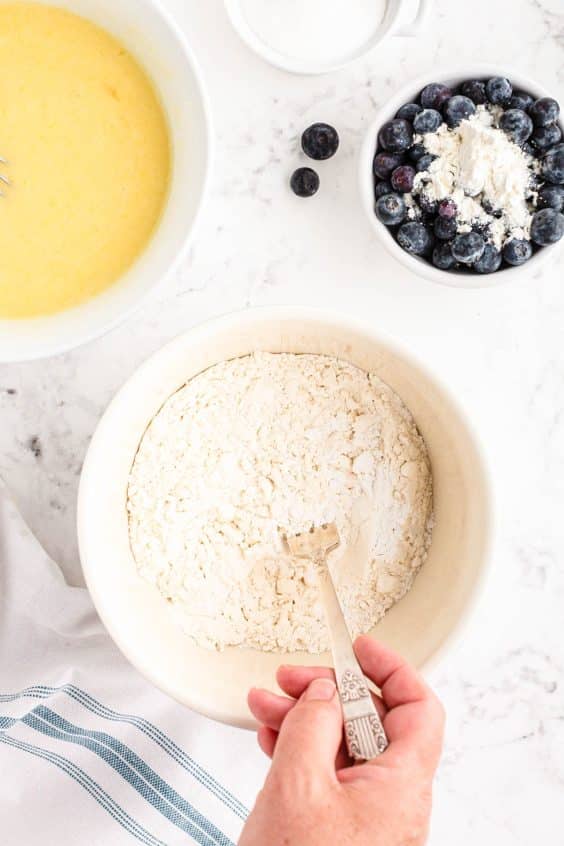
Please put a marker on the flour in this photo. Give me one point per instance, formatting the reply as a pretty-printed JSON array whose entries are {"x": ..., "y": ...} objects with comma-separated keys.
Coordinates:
[
  {"x": 314, "y": 30},
  {"x": 269, "y": 441},
  {"x": 476, "y": 161}
]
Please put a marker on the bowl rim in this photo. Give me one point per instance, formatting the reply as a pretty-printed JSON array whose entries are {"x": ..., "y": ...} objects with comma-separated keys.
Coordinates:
[
  {"x": 79, "y": 338},
  {"x": 239, "y": 320},
  {"x": 419, "y": 266}
]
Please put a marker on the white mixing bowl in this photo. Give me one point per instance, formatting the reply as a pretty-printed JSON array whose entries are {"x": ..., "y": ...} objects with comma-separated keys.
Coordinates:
[
  {"x": 407, "y": 94},
  {"x": 153, "y": 37},
  {"x": 421, "y": 626}
]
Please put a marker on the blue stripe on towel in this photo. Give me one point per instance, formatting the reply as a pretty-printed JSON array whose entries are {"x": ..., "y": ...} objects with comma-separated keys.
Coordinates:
[
  {"x": 134, "y": 770},
  {"x": 147, "y": 728},
  {"x": 94, "y": 789}
]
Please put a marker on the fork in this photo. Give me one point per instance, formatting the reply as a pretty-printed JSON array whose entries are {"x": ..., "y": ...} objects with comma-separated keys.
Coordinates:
[{"x": 364, "y": 733}]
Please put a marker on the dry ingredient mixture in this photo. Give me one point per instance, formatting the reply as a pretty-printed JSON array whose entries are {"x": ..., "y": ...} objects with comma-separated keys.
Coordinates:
[{"x": 268, "y": 441}]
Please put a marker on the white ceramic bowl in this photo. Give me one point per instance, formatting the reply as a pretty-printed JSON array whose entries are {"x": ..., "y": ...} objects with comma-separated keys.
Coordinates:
[
  {"x": 421, "y": 626},
  {"x": 393, "y": 24},
  {"x": 153, "y": 37},
  {"x": 422, "y": 267}
]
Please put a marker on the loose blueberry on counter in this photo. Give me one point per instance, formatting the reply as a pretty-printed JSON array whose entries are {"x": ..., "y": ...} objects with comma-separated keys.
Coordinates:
[
  {"x": 468, "y": 247},
  {"x": 547, "y": 227},
  {"x": 545, "y": 137},
  {"x": 425, "y": 162},
  {"x": 544, "y": 111},
  {"x": 447, "y": 208},
  {"x": 304, "y": 182},
  {"x": 551, "y": 197},
  {"x": 435, "y": 95},
  {"x": 457, "y": 109},
  {"x": 443, "y": 257},
  {"x": 517, "y": 252},
  {"x": 416, "y": 152},
  {"x": 408, "y": 111},
  {"x": 499, "y": 90},
  {"x": 384, "y": 163},
  {"x": 391, "y": 209},
  {"x": 402, "y": 178},
  {"x": 320, "y": 141},
  {"x": 396, "y": 135},
  {"x": 521, "y": 100},
  {"x": 552, "y": 165},
  {"x": 381, "y": 188},
  {"x": 489, "y": 261},
  {"x": 517, "y": 125},
  {"x": 428, "y": 120},
  {"x": 475, "y": 91},
  {"x": 445, "y": 228},
  {"x": 415, "y": 238}
]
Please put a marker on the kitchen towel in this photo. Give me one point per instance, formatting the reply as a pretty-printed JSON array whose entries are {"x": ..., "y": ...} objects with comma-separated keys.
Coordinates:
[{"x": 91, "y": 753}]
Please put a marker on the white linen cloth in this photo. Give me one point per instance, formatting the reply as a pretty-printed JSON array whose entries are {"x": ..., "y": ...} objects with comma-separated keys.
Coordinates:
[{"x": 91, "y": 753}]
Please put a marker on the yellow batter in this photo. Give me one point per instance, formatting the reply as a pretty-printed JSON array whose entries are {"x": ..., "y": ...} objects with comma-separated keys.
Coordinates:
[{"x": 88, "y": 157}]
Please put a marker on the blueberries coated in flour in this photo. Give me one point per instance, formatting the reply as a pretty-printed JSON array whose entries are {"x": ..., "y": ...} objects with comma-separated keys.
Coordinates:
[{"x": 426, "y": 222}]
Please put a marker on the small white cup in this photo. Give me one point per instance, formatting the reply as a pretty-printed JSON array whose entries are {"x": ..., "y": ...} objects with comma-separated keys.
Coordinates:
[{"x": 393, "y": 23}]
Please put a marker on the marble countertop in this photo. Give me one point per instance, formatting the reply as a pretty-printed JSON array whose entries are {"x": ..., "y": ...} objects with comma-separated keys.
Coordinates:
[{"x": 501, "y": 350}]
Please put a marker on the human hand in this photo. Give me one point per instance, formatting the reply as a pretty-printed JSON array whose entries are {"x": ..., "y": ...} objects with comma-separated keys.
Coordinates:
[{"x": 313, "y": 795}]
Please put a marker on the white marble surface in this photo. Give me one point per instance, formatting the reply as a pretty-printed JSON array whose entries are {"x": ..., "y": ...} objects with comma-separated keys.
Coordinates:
[{"x": 501, "y": 350}]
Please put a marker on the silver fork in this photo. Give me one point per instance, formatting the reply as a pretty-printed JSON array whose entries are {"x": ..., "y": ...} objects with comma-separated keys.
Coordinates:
[
  {"x": 364, "y": 733},
  {"x": 3, "y": 179}
]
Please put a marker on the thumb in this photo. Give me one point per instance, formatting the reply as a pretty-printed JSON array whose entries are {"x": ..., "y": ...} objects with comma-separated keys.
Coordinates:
[{"x": 311, "y": 732}]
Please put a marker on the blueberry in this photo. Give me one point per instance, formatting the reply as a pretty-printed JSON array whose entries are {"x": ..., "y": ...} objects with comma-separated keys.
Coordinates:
[
  {"x": 517, "y": 125},
  {"x": 304, "y": 182},
  {"x": 521, "y": 100},
  {"x": 434, "y": 95},
  {"x": 445, "y": 228},
  {"x": 546, "y": 136},
  {"x": 416, "y": 152},
  {"x": 544, "y": 111},
  {"x": 447, "y": 208},
  {"x": 415, "y": 238},
  {"x": 391, "y": 209},
  {"x": 396, "y": 135},
  {"x": 551, "y": 197},
  {"x": 547, "y": 227},
  {"x": 457, "y": 109},
  {"x": 384, "y": 163},
  {"x": 475, "y": 91},
  {"x": 530, "y": 150},
  {"x": 468, "y": 247},
  {"x": 517, "y": 251},
  {"x": 489, "y": 261},
  {"x": 408, "y": 111},
  {"x": 402, "y": 178},
  {"x": 499, "y": 90},
  {"x": 552, "y": 165},
  {"x": 320, "y": 141},
  {"x": 443, "y": 257},
  {"x": 424, "y": 162},
  {"x": 427, "y": 205},
  {"x": 428, "y": 120},
  {"x": 382, "y": 187}
]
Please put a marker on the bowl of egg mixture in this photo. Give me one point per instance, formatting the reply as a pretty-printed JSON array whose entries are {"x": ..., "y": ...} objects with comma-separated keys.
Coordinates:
[
  {"x": 104, "y": 159},
  {"x": 259, "y": 425}
]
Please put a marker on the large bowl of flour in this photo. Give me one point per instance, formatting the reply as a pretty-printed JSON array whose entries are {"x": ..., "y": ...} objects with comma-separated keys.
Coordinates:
[{"x": 263, "y": 422}]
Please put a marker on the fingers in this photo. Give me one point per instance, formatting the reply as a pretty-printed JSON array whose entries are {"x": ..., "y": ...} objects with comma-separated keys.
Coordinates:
[
  {"x": 294, "y": 680},
  {"x": 269, "y": 708},
  {"x": 398, "y": 680},
  {"x": 310, "y": 735},
  {"x": 267, "y": 738}
]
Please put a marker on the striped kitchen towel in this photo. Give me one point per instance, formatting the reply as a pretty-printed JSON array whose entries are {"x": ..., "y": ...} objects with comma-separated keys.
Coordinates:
[{"x": 91, "y": 753}]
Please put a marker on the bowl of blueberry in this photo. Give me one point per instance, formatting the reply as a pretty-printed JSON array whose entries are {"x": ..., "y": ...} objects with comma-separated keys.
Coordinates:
[{"x": 462, "y": 176}]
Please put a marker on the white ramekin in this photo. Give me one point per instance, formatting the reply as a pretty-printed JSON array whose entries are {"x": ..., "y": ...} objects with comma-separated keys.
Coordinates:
[
  {"x": 422, "y": 267},
  {"x": 153, "y": 37},
  {"x": 394, "y": 23},
  {"x": 422, "y": 626}
]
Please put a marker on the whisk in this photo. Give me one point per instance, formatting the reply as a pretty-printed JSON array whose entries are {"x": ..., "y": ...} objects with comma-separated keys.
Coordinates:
[{"x": 3, "y": 179}]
